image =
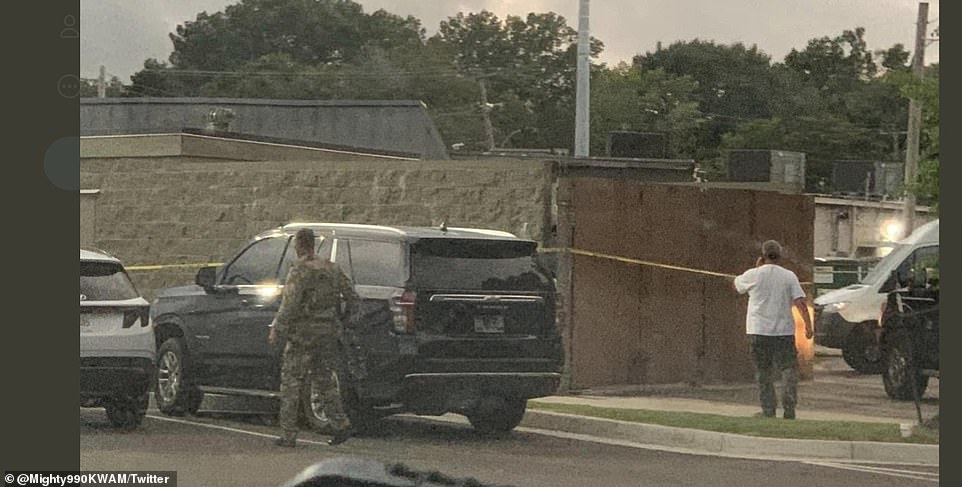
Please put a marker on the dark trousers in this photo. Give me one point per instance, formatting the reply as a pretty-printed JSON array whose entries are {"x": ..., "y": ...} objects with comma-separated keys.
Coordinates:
[{"x": 775, "y": 358}]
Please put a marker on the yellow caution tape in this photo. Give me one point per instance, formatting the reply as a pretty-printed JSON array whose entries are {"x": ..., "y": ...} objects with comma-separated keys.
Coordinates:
[
  {"x": 547, "y": 250},
  {"x": 629, "y": 260},
  {"x": 170, "y": 266}
]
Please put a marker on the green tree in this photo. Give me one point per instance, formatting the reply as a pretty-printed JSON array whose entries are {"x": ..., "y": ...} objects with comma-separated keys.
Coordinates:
[
  {"x": 734, "y": 84},
  {"x": 528, "y": 66},
  {"x": 895, "y": 58},
  {"x": 308, "y": 32},
  {"x": 925, "y": 89},
  {"x": 159, "y": 79},
  {"x": 835, "y": 63},
  {"x": 626, "y": 98}
]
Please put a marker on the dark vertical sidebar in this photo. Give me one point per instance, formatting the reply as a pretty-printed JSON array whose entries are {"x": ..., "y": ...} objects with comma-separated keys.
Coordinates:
[{"x": 41, "y": 167}]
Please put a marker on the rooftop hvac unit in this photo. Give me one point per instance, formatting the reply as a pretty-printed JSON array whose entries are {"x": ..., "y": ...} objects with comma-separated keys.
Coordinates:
[
  {"x": 890, "y": 178},
  {"x": 868, "y": 177},
  {"x": 767, "y": 166},
  {"x": 638, "y": 145}
]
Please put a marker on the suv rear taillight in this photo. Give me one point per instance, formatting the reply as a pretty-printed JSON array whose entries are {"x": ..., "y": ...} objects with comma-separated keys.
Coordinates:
[
  {"x": 881, "y": 316},
  {"x": 132, "y": 315},
  {"x": 403, "y": 308}
]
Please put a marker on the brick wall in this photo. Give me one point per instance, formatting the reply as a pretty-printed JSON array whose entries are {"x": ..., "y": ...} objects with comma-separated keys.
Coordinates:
[{"x": 174, "y": 210}]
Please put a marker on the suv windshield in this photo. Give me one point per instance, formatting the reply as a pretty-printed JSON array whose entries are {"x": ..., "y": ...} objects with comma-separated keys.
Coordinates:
[
  {"x": 105, "y": 281},
  {"x": 478, "y": 265}
]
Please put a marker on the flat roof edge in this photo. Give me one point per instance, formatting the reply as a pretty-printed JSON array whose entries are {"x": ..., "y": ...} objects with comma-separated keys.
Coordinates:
[{"x": 252, "y": 101}]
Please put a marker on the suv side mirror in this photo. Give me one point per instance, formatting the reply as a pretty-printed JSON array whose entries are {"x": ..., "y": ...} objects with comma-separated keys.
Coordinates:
[{"x": 206, "y": 277}]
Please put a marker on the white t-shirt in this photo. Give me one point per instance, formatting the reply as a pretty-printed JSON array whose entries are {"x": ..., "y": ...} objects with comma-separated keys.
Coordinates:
[{"x": 771, "y": 290}]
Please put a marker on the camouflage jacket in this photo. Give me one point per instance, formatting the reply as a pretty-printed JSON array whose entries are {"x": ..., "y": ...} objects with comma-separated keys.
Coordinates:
[{"x": 317, "y": 299}]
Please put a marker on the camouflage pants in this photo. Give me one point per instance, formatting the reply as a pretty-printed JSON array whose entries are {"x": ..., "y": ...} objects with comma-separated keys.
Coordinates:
[
  {"x": 313, "y": 367},
  {"x": 775, "y": 357}
]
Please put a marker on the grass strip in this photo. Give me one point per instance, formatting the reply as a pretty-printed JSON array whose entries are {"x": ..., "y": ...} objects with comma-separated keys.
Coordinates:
[{"x": 751, "y": 426}]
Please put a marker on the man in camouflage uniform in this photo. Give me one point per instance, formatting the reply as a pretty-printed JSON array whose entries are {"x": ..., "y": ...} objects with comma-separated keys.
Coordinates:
[{"x": 317, "y": 298}]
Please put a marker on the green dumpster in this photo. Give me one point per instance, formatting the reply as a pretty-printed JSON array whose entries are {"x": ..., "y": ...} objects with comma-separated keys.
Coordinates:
[{"x": 837, "y": 272}]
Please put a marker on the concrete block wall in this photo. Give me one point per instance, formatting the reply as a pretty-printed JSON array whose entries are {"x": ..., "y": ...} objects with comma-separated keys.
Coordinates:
[{"x": 184, "y": 210}]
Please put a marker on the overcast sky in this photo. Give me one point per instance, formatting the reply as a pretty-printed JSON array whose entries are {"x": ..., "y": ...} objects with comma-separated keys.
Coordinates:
[{"x": 121, "y": 34}]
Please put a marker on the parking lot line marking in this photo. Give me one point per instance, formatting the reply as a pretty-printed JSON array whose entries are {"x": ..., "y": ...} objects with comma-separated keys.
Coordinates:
[
  {"x": 890, "y": 472},
  {"x": 229, "y": 429}
]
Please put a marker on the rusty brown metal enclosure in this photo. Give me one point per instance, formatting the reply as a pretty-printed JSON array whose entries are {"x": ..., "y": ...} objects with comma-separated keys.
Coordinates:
[{"x": 641, "y": 324}]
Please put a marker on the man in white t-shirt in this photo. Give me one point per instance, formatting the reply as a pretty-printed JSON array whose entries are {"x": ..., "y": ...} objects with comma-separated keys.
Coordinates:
[{"x": 772, "y": 291}]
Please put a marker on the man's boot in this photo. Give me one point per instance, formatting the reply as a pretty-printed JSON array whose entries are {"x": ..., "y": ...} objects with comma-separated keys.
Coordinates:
[{"x": 341, "y": 437}]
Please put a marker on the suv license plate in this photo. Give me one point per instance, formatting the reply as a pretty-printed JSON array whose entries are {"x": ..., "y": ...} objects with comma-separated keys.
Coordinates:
[{"x": 489, "y": 324}]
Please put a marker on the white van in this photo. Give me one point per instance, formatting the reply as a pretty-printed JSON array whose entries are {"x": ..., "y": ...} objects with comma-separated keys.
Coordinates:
[{"x": 848, "y": 318}]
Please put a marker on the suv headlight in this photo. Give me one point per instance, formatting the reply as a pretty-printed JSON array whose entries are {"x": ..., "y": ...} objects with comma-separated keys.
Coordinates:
[{"x": 835, "y": 307}]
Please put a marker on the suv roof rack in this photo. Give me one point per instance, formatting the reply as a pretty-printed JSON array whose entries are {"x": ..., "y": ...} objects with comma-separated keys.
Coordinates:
[
  {"x": 291, "y": 226},
  {"x": 484, "y": 231}
]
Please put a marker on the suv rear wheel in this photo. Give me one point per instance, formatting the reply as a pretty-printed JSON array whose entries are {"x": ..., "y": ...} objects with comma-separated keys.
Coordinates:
[
  {"x": 861, "y": 351},
  {"x": 497, "y": 415},
  {"x": 127, "y": 413},
  {"x": 899, "y": 370},
  {"x": 175, "y": 393}
]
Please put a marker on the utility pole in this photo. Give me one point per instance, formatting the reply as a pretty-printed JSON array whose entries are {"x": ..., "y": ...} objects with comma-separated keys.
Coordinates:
[
  {"x": 486, "y": 113},
  {"x": 896, "y": 153},
  {"x": 915, "y": 121},
  {"x": 582, "y": 122},
  {"x": 102, "y": 83}
]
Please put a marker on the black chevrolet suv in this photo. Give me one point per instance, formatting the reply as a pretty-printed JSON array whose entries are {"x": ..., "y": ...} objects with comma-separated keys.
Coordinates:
[{"x": 450, "y": 320}]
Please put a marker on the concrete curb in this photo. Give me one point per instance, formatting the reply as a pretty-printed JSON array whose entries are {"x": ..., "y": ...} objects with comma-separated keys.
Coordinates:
[{"x": 732, "y": 444}]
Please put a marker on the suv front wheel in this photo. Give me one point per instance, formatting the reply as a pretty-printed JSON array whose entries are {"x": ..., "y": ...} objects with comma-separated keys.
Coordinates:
[
  {"x": 363, "y": 418},
  {"x": 899, "y": 370},
  {"x": 175, "y": 393},
  {"x": 497, "y": 415}
]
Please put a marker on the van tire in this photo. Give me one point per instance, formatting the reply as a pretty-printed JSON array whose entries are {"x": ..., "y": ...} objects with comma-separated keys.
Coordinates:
[{"x": 861, "y": 350}]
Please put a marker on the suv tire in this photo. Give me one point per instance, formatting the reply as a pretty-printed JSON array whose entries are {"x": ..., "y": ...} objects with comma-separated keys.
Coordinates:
[
  {"x": 861, "y": 350},
  {"x": 898, "y": 369},
  {"x": 127, "y": 413},
  {"x": 497, "y": 415},
  {"x": 175, "y": 393},
  {"x": 363, "y": 418}
]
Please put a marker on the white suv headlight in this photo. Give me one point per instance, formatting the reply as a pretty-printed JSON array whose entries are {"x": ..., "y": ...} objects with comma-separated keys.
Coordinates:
[{"x": 835, "y": 307}]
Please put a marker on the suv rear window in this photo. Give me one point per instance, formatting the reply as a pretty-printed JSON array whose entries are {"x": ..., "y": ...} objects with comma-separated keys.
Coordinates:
[
  {"x": 463, "y": 264},
  {"x": 105, "y": 281}
]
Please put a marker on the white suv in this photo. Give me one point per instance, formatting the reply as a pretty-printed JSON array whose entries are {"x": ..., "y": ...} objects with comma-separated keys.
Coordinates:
[{"x": 117, "y": 343}]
